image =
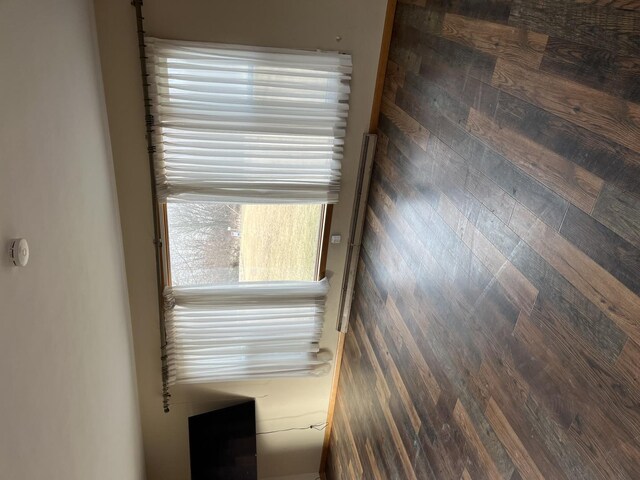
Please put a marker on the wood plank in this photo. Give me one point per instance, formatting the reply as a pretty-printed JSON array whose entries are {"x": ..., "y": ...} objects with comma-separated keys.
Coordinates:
[
  {"x": 627, "y": 363},
  {"x": 373, "y": 461},
  {"x": 510, "y": 43},
  {"x": 601, "y": 156},
  {"x": 441, "y": 455},
  {"x": 382, "y": 387},
  {"x": 512, "y": 180},
  {"x": 574, "y": 183},
  {"x": 610, "y": 251},
  {"x": 621, "y": 4},
  {"x": 475, "y": 64},
  {"x": 525, "y": 189},
  {"x": 424, "y": 20},
  {"x": 405, "y": 123},
  {"x": 447, "y": 165},
  {"x": 583, "y": 369},
  {"x": 488, "y": 254},
  {"x": 593, "y": 66},
  {"x": 407, "y": 59},
  {"x": 579, "y": 369},
  {"x": 596, "y": 111},
  {"x": 518, "y": 288},
  {"x": 494, "y": 10},
  {"x": 400, "y": 142},
  {"x": 582, "y": 23},
  {"x": 473, "y": 440},
  {"x": 404, "y": 394},
  {"x": 595, "y": 445},
  {"x": 558, "y": 443},
  {"x": 518, "y": 453},
  {"x": 547, "y": 380},
  {"x": 620, "y": 212},
  {"x": 423, "y": 370},
  {"x": 505, "y": 382},
  {"x": 434, "y": 100},
  {"x": 409, "y": 473},
  {"x": 475, "y": 94},
  {"x": 393, "y": 79},
  {"x": 561, "y": 302},
  {"x": 349, "y": 441},
  {"x": 398, "y": 170},
  {"x": 499, "y": 202},
  {"x": 614, "y": 299},
  {"x": 455, "y": 257}
]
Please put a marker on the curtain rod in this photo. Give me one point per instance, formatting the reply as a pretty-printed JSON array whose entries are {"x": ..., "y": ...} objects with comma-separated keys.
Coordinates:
[{"x": 158, "y": 243}]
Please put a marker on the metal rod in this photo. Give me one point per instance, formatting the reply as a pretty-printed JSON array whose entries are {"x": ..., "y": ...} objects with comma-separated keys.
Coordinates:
[{"x": 158, "y": 244}]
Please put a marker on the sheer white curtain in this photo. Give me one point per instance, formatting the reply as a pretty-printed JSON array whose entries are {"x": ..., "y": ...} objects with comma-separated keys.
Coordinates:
[
  {"x": 241, "y": 124},
  {"x": 245, "y": 331}
]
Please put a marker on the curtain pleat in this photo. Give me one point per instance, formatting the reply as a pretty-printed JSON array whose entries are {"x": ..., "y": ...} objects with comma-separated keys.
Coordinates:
[
  {"x": 235, "y": 124},
  {"x": 245, "y": 331}
]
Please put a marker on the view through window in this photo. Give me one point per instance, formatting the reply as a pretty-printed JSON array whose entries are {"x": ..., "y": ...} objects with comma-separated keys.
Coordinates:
[{"x": 213, "y": 243}]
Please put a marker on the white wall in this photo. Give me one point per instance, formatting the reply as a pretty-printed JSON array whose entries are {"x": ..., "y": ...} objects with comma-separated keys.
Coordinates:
[
  {"x": 307, "y": 24},
  {"x": 68, "y": 407}
]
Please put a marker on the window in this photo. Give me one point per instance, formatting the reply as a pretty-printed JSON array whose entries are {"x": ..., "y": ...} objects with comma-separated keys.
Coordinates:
[
  {"x": 248, "y": 150},
  {"x": 222, "y": 243}
]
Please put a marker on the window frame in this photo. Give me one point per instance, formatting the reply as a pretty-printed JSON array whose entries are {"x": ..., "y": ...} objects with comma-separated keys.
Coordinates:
[{"x": 324, "y": 232}]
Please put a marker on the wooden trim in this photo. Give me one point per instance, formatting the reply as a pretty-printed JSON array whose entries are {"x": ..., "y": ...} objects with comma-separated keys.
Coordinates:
[
  {"x": 373, "y": 127},
  {"x": 382, "y": 64},
  {"x": 332, "y": 403}
]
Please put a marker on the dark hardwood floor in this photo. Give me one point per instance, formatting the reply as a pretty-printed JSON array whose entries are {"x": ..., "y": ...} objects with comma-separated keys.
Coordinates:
[{"x": 496, "y": 323}]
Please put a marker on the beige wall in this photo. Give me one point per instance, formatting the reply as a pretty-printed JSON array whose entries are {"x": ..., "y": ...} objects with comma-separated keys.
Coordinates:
[
  {"x": 68, "y": 407},
  {"x": 308, "y": 24}
]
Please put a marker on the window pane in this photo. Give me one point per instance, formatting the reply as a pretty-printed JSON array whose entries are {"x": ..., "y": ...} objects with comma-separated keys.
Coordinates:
[{"x": 211, "y": 243}]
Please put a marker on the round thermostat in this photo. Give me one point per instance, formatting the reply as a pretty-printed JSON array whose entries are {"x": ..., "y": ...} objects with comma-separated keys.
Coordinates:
[{"x": 19, "y": 252}]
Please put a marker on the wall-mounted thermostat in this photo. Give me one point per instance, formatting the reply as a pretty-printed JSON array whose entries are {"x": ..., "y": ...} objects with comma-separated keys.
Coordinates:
[{"x": 19, "y": 252}]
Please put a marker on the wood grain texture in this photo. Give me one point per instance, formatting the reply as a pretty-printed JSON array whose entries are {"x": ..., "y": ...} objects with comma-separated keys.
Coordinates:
[
  {"x": 410, "y": 127},
  {"x": 610, "y": 251},
  {"x": 594, "y": 152},
  {"x": 516, "y": 286},
  {"x": 596, "y": 284},
  {"x": 621, "y": 4},
  {"x": 493, "y": 10},
  {"x": 620, "y": 212},
  {"x": 574, "y": 183},
  {"x": 580, "y": 21},
  {"x": 518, "y": 453},
  {"x": 617, "y": 74},
  {"x": 393, "y": 79},
  {"x": 495, "y": 326},
  {"x": 592, "y": 109},
  {"x": 589, "y": 108},
  {"x": 480, "y": 454},
  {"x": 510, "y": 43},
  {"x": 538, "y": 198}
]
